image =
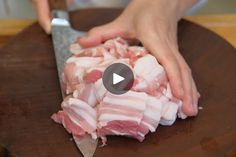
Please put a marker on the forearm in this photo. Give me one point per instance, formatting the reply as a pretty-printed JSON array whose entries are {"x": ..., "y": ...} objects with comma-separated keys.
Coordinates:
[
  {"x": 172, "y": 8},
  {"x": 185, "y": 5}
]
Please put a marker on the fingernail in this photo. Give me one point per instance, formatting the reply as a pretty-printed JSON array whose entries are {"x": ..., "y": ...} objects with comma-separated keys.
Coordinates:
[
  {"x": 48, "y": 29},
  {"x": 198, "y": 94},
  {"x": 195, "y": 108}
]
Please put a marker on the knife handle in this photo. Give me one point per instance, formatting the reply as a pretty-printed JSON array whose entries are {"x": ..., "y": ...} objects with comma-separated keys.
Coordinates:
[{"x": 57, "y": 5}]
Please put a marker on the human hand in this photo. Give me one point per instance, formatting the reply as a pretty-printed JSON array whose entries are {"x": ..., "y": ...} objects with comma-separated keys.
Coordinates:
[
  {"x": 154, "y": 23},
  {"x": 43, "y": 13}
]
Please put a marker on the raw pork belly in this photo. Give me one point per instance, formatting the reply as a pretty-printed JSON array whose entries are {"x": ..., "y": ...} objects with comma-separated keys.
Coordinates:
[{"x": 90, "y": 109}]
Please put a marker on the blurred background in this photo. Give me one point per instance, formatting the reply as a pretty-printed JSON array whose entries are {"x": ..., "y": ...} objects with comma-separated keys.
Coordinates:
[
  {"x": 216, "y": 15},
  {"x": 22, "y": 9}
]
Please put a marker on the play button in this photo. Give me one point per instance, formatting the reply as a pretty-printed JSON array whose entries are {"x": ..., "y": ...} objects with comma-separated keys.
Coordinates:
[{"x": 118, "y": 78}]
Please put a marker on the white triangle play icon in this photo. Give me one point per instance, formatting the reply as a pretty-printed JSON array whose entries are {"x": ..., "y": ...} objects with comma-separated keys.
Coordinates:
[{"x": 117, "y": 78}]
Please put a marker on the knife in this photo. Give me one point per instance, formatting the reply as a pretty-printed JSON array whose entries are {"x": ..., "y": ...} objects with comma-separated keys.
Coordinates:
[{"x": 63, "y": 36}]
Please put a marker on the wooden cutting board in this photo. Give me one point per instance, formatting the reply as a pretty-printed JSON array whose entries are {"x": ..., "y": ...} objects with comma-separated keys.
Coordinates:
[{"x": 30, "y": 94}]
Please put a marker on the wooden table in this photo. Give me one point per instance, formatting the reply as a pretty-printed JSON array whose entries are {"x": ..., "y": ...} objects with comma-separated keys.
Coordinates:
[{"x": 224, "y": 25}]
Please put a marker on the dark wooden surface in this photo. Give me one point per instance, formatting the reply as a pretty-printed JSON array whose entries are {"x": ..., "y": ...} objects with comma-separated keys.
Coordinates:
[{"x": 30, "y": 93}]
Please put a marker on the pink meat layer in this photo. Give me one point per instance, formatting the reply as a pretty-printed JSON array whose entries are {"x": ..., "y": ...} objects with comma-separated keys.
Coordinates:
[{"x": 91, "y": 109}]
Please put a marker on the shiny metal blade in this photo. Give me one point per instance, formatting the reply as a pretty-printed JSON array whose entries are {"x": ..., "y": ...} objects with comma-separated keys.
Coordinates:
[
  {"x": 86, "y": 145},
  {"x": 63, "y": 36}
]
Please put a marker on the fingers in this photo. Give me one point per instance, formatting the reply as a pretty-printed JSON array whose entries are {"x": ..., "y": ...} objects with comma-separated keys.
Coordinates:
[
  {"x": 188, "y": 100},
  {"x": 178, "y": 72},
  {"x": 97, "y": 35},
  {"x": 164, "y": 55},
  {"x": 43, "y": 13},
  {"x": 191, "y": 95},
  {"x": 196, "y": 96}
]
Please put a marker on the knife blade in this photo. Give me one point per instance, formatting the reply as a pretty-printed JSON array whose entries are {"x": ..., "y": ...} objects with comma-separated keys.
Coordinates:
[{"x": 63, "y": 36}]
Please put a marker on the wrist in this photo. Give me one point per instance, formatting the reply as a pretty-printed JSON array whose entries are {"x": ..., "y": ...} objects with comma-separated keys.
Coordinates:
[{"x": 185, "y": 5}]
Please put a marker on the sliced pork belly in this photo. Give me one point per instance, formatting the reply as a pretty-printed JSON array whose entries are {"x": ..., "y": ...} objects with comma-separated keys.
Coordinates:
[
  {"x": 120, "y": 128},
  {"x": 92, "y": 76},
  {"x": 151, "y": 117},
  {"x": 153, "y": 113},
  {"x": 92, "y": 110},
  {"x": 92, "y": 52},
  {"x": 150, "y": 74},
  {"x": 85, "y": 62},
  {"x": 100, "y": 90},
  {"x": 75, "y": 71},
  {"x": 169, "y": 113},
  {"x": 62, "y": 118},
  {"x": 168, "y": 94},
  {"x": 116, "y": 112},
  {"x": 86, "y": 93},
  {"x": 79, "y": 113},
  {"x": 117, "y": 47},
  {"x": 129, "y": 106},
  {"x": 135, "y": 52}
]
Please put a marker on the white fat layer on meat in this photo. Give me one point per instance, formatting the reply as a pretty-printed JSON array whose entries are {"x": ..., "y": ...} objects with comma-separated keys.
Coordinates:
[
  {"x": 100, "y": 89},
  {"x": 80, "y": 73},
  {"x": 74, "y": 120},
  {"x": 92, "y": 97},
  {"x": 168, "y": 92},
  {"x": 169, "y": 113},
  {"x": 94, "y": 51},
  {"x": 181, "y": 113},
  {"x": 153, "y": 112},
  {"x": 154, "y": 103},
  {"x": 111, "y": 117},
  {"x": 135, "y": 103},
  {"x": 94, "y": 135},
  {"x": 118, "y": 133},
  {"x": 150, "y": 127},
  {"x": 141, "y": 85},
  {"x": 154, "y": 73},
  {"x": 144, "y": 66},
  {"x": 92, "y": 100},
  {"x": 141, "y": 134},
  {"x": 87, "y": 117},
  {"x": 139, "y": 95},
  {"x": 137, "y": 100},
  {"x": 77, "y": 103},
  {"x": 137, "y": 50},
  {"x": 98, "y": 68},
  {"x": 169, "y": 110},
  {"x": 154, "y": 115},
  {"x": 86, "y": 62},
  {"x": 106, "y": 108},
  {"x": 75, "y": 49},
  {"x": 108, "y": 57},
  {"x": 76, "y": 93},
  {"x": 167, "y": 122},
  {"x": 101, "y": 66},
  {"x": 123, "y": 61},
  {"x": 101, "y": 124}
]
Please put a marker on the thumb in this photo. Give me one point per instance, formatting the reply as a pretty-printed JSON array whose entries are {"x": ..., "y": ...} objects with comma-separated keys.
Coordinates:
[
  {"x": 99, "y": 34},
  {"x": 43, "y": 13}
]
